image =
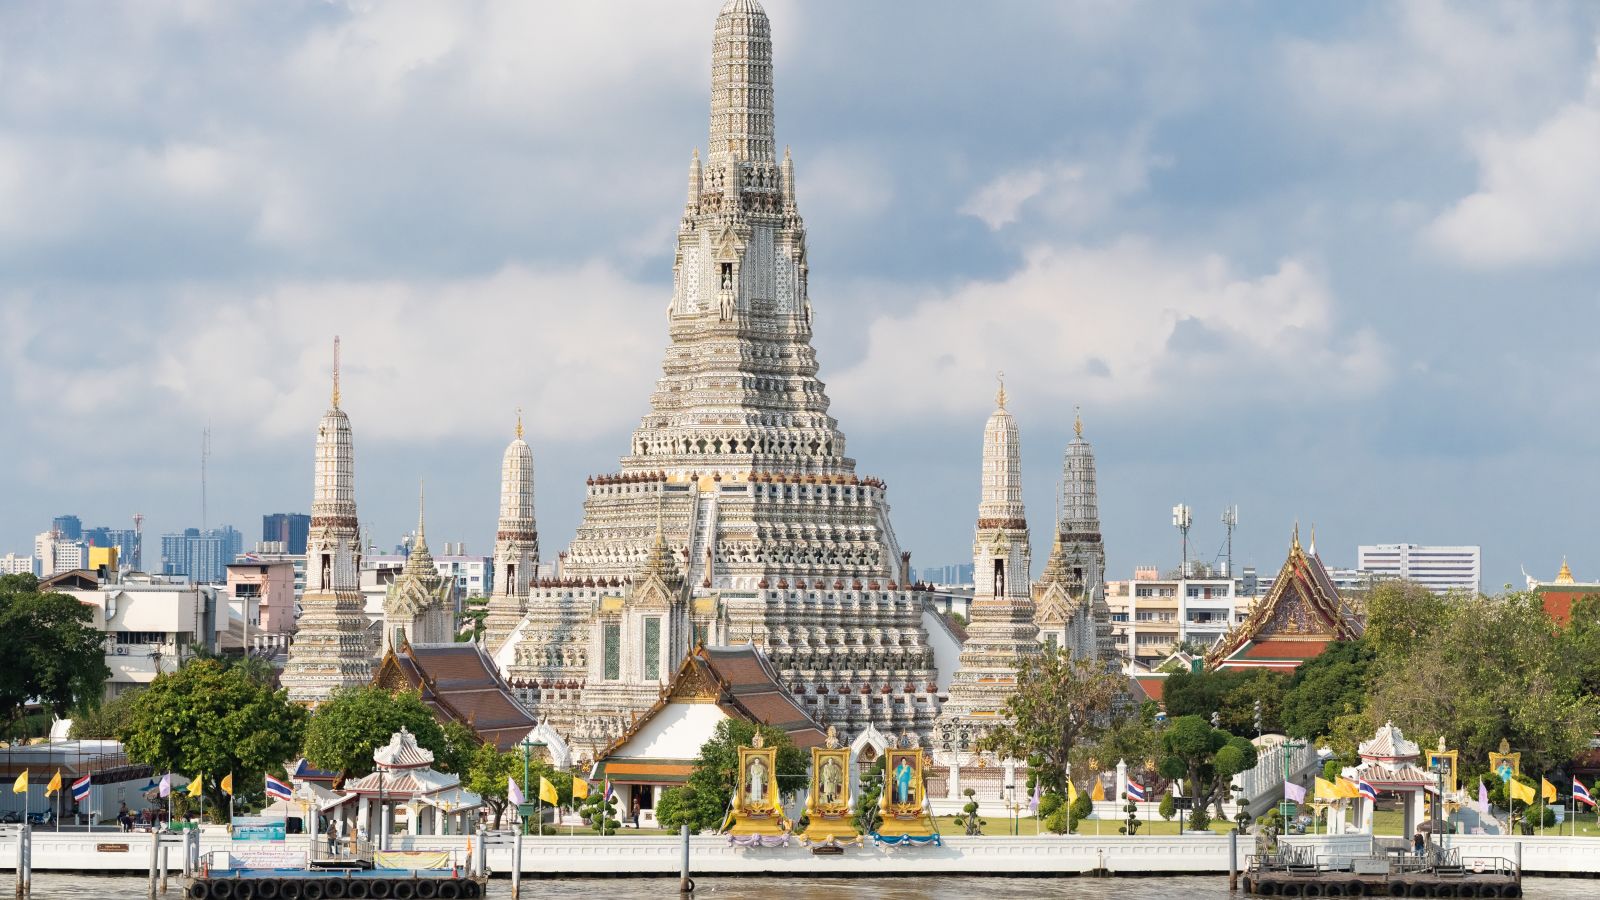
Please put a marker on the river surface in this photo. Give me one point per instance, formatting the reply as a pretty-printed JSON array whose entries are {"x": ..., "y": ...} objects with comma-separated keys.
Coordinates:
[{"x": 50, "y": 886}]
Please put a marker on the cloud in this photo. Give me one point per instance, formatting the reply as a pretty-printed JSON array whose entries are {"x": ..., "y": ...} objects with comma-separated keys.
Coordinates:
[
  {"x": 1132, "y": 324},
  {"x": 1075, "y": 190},
  {"x": 576, "y": 347},
  {"x": 1416, "y": 66},
  {"x": 1538, "y": 196}
]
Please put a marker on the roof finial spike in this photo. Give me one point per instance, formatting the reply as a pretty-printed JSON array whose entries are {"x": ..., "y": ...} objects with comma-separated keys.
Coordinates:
[
  {"x": 519, "y": 423},
  {"x": 1077, "y": 421},
  {"x": 1313, "y": 548},
  {"x": 1000, "y": 395},
  {"x": 336, "y": 371},
  {"x": 422, "y": 500},
  {"x": 1295, "y": 543}
]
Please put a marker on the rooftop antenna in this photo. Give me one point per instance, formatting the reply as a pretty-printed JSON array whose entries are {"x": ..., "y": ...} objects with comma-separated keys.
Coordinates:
[
  {"x": 138, "y": 542},
  {"x": 1230, "y": 520},
  {"x": 1182, "y": 518},
  {"x": 336, "y": 371}
]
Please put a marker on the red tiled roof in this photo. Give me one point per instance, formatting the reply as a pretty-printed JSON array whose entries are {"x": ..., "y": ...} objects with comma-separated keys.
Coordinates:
[
  {"x": 1286, "y": 649},
  {"x": 1558, "y": 601},
  {"x": 460, "y": 683}
]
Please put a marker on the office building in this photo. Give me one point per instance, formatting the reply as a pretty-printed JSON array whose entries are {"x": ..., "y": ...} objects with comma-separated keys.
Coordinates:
[
  {"x": 151, "y": 625},
  {"x": 288, "y": 529},
  {"x": 1438, "y": 568},
  {"x": 70, "y": 527},
  {"x": 12, "y": 564},
  {"x": 127, "y": 541},
  {"x": 201, "y": 556}
]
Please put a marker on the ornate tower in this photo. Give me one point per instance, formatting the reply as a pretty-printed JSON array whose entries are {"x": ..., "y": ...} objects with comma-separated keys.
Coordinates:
[
  {"x": 331, "y": 648},
  {"x": 516, "y": 547},
  {"x": 777, "y": 538},
  {"x": 1001, "y": 633},
  {"x": 1071, "y": 594},
  {"x": 420, "y": 606}
]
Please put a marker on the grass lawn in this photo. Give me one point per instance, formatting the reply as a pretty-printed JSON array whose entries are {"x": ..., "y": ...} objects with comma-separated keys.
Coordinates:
[{"x": 1027, "y": 826}]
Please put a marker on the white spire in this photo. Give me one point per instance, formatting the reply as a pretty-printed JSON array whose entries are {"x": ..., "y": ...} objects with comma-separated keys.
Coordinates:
[{"x": 741, "y": 84}]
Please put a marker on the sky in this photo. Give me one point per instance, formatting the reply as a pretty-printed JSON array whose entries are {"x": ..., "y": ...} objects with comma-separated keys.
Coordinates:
[{"x": 1333, "y": 263}]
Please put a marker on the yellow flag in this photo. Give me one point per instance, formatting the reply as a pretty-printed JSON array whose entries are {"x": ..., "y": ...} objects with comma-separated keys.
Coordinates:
[
  {"x": 196, "y": 786},
  {"x": 20, "y": 786},
  {"x": 1349, "y": 790},
  {"x": 1326, "y": 790},
  {"x": 548, "y": 792},
  {"x": 580, "y": 789},
  {"x": 54, "y": 785},
  {"x": 1072, "y": 793},
  {"x": 1520, "y": 791},
  {"x": 227, "y": 784},
  {"x": 1099, "y": 792},
  {"x": 1545, "y": 787}
]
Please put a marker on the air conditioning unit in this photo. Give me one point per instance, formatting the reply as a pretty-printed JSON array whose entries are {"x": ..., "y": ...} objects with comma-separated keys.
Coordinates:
[{"x": 122, "y": 651}]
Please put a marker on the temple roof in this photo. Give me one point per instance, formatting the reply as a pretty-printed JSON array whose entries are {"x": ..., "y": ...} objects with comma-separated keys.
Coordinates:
[
  {"x": 460, "y": 683},
  {"x": 1300, "y": 615},
  {"x": 402, "y": 752},
  {"x": 742, "y": 683},
  {"x": 1389, "y": 744}
]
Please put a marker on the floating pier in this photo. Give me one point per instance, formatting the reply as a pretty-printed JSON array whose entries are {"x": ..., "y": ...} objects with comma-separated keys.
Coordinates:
[{"x": 353, "y": 884}]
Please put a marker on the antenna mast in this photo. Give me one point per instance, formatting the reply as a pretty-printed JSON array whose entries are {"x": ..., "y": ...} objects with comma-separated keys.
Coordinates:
[
  {"x": 1230, "y": 520},
  {"x": 1182, "y": 518},
  {"x": 205, "y": 453}
]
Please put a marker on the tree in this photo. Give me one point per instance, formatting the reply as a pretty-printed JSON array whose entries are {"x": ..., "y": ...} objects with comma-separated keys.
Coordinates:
[
  {"x": 1330, "y": 684},
  {"x": 601, "y": 811},
  {"x": 1206, "y": 758},
  {"x": 104, "y": 721},
  {"x": 704, "y": 800},
  {"x": 1401, "y": 615},
  {"x": 1168, "y": 807},
  {"x": 968, "y": 820},
  {"x": 209, "y": 720},
  {"x": 348, "y": 726},
  {"x": 50, "y": 650},
  {"x": 868, "y": 814},
  {"x": 460, "y": 745},
  {"x": 487, "y": 775},
  {"x": 1060, "y": 703}
]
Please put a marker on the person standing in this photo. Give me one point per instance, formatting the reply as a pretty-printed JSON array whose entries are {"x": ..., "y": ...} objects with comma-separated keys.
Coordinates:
[
  {"x": 635, "y": 810},
  {"x": 333, "y": 838}
]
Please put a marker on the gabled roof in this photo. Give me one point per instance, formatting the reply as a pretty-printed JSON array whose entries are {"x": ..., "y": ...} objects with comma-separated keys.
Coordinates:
[
  {"x": 1300, "y": 615},
  {"x": 72, "y": 579},
  {"x": 459, "y": 682},
  {"x": 742, "y": 683}
]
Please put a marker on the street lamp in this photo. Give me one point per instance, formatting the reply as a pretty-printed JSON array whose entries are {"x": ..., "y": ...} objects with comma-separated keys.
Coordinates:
[
  {"x": 1011, "y": 800},
  {"x": 1439, "y": 767},
  {"x": 1284, "y": 808}
]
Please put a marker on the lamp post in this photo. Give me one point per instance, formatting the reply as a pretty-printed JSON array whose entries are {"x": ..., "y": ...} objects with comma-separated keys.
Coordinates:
[
  {"x": 1011, "y": 800},
  {"x": 1438, "y": 802}
]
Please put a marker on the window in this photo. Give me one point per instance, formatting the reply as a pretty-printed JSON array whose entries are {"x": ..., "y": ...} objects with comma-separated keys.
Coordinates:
[
  {"x": 700, "y": 635},
  {"x": 141, "y": 637},
  {"x": 652, "y": 647},
  {"x": 611, "y": 638},
  {"x": 1050, "y": 642},
  {"x": 247, "y": 590}
]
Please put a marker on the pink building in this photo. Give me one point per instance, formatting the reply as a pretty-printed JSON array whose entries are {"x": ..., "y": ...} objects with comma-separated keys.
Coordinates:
[{"x": 264, "y": 591}]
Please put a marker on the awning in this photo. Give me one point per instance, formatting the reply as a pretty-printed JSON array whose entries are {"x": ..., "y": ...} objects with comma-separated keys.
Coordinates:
[{"x": 636, "y": 770}]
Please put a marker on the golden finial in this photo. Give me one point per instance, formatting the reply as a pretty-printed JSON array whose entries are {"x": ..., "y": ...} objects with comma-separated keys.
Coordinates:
[
  {"x": 1294, "y": 544},
  {"x": 758, "y": 741},
  {"x": 1565, "y": 575},
  {"x": 1000, "y": 395},
  {"x": 336, "y": 371},
  {"x": 1077, "y": 421},
  {"x": 519, "y": 423}
]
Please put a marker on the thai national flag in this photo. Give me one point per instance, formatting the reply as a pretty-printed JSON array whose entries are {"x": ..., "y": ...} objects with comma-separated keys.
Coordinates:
[
  {"x": 277, "y": 788},
  {"x": 1135, "y": 790},
  {"x": 80, "y": 789},
  {"x": 1581, "y": 793},
  {"x": 1367, "y": 790},
  {"x": 609, "y": 793}
]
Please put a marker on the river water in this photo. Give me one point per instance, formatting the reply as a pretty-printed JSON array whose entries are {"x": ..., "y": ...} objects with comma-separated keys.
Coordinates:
[{"x": 51, "y": 886}]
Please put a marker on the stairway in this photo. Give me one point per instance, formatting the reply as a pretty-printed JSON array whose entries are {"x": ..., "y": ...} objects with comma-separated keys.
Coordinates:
[{"x": 704, "y": 532}]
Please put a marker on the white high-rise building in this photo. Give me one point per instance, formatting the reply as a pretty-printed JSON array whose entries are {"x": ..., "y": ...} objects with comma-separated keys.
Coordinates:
[
  {"x": 1439, "y": 568},
  {"x": 57, "y": 553},
  {"x": 12, "y": 564}
]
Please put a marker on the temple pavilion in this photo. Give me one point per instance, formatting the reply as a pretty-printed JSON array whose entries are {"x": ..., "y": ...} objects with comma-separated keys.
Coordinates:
[
  {"x": 660, "y": 747},
  {"x": 405, "y": 790}
]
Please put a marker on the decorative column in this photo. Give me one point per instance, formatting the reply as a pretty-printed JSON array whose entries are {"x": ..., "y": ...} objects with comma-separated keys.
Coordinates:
[{"x": 1122, "y": 781}]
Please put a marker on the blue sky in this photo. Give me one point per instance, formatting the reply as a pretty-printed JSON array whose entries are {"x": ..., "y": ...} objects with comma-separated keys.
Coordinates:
[{"x": 1330, "y": 262}]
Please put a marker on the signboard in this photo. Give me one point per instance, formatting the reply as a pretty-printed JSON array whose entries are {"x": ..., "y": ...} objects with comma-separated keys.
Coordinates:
[
  {"x": 111, "y": 848},
  {"x": 257, "y": 828}
]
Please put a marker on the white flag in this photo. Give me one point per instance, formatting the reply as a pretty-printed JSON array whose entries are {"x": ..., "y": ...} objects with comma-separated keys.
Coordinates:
[
  {"x": 514, "y": 793},
  {"x": 164, "y": 789}
]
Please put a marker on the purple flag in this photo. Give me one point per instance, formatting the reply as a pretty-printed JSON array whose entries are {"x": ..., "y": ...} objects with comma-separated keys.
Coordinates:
[
  {"x": 514, "y": 793},
  {"x": 1295, "y": 792},
  {"x": 164, "y": 789},
  {"x": 1483, "y": 797},
  {"x": 1033, "y": 805}
]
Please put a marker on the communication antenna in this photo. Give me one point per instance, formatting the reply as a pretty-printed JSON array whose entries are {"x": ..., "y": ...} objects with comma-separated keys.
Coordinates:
[
  {"x": 205, "y": 454},
  {"x": 1182, "y": 518},
  {"x": 138, "y": 542},
  {"x": 1230, "y": 520}
]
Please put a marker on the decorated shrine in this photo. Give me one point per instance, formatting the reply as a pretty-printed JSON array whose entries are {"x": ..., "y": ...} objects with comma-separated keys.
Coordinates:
[
  {"x": 904, "y": 801},
  {"x": 756, "y": 817},
  {"x": 828, "y": 816}
]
